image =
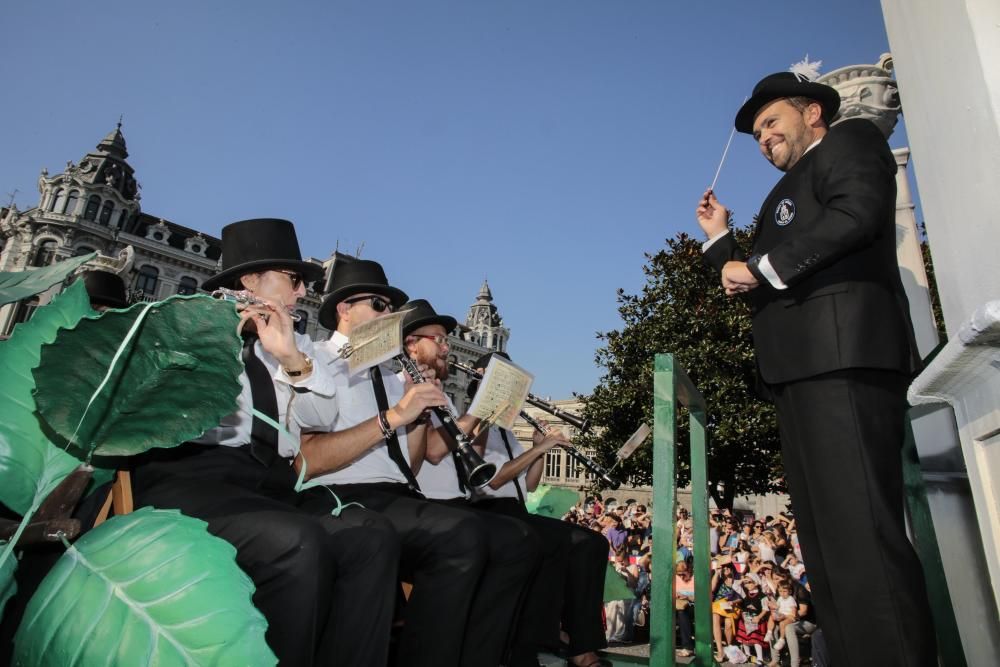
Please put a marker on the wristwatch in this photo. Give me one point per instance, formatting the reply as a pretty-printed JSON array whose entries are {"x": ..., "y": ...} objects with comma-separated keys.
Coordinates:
[{"x": 305, "y": 370}]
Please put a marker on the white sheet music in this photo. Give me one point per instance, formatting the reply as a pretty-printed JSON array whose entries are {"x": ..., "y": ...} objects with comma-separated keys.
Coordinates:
[
  {"x": 501, "y": 393},
  {"x": 374, "y": 342}
]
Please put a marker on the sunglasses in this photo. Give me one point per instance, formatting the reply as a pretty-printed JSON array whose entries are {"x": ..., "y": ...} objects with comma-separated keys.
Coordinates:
[
  {"x": 378, "y": 304},
  {"x": 296, "y": 278},
  {"x": 438, "y": 339}
]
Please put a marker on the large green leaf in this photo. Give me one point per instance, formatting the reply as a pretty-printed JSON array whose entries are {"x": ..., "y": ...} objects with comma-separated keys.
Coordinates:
[
  {"x": 8, "y": 587},
  {"x": 177, "y": 377},
  {"x": 615, "y": 586},
  {"x": 30, "y": 466},
  {"x": 147, "y": 588},
  {"x": 17, "y": 285},
  {"x": 551, "y": 501}
]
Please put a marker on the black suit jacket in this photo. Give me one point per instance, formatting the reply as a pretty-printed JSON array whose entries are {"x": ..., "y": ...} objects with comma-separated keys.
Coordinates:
[{"x": 828, "y": 230}]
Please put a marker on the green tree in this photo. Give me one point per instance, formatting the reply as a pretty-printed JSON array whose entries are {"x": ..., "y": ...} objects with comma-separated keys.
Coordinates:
[{"x": 683, "y": 310}]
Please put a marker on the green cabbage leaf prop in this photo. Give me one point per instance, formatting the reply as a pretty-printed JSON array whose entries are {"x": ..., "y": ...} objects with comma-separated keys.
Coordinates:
[
  {"x": 30, "y": 466},
  {"x": 148, "y": 588},
  {"x": 154, "y": 375},
  {"x": 17, "y": 285}
]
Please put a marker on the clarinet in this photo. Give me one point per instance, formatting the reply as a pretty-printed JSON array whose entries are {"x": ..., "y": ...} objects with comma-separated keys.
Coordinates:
[
  {"x": 587, "y": 462},
  {"x": 476, "y": 470}
]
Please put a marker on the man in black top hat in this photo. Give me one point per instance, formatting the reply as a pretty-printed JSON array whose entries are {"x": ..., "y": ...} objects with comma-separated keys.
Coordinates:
[
  {"x": 324, "y": 583},
  {"x": 568, "y": 590},
  {"x": 835, "y": 352},
  {"x": 105, "y": 289},
  {"x": 514, "y": 549},
  {"x": 367, "y": 444}
]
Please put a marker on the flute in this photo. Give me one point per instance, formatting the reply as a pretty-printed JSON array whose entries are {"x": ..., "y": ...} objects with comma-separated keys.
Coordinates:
[{"x": 245, "y": 298}]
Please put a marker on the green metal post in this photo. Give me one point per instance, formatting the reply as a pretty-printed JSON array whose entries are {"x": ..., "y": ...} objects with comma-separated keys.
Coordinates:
[{"x": 672, "y": 386}]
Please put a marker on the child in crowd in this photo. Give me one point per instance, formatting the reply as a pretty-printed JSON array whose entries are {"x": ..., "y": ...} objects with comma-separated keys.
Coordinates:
[{"x": 785, "y": 613}]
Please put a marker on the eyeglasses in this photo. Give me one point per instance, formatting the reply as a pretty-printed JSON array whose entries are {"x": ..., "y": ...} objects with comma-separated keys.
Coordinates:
[
  {"x": 295, "y": 277},
  {"x": 378, "y": 304},
  {"x": 438, "y": 339}
]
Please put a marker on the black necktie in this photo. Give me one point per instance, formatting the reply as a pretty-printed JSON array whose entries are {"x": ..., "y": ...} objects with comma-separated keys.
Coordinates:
[
  {"x": 262, "y": 392},
  {"x": 510, "y": 454},
  {"x": 392, "y": 442}
]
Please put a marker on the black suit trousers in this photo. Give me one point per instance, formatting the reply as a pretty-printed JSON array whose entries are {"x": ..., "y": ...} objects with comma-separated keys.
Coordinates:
[
  {"x": 841, "y": 438},
  {"x": 467, "y": 574},
  {"x": 325, "y": 584},
  {"x": 567, "y": 591}
]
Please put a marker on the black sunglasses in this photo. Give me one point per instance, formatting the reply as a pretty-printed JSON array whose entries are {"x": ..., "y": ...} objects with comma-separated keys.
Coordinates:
[
  {"x": 378, "y": 304},
  {"x": 296, "y": 278}
]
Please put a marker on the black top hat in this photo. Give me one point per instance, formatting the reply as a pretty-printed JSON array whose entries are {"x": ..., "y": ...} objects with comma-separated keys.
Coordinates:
[
  {"x": 357, "y": 277},
  {"x": 105, "y": 288},
  {"x": 781, "y": 85},
  {"x": 260, "y": 244},
  {"x": 420, "y": 313},
  {"x": 484, "y": 361}
]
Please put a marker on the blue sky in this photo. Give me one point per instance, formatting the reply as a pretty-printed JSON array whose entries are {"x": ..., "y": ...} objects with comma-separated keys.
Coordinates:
[{"x": 542, "y": 144}]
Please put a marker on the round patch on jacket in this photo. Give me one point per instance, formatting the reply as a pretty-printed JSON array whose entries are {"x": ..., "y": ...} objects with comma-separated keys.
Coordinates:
[{"x": 785, "y": 212}]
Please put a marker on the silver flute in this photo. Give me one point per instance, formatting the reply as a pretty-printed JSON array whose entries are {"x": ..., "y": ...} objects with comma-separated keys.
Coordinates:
[{"x": 246, "y": 298}]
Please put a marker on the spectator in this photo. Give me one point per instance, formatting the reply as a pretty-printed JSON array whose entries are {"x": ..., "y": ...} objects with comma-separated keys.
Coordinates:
[{"x": 683, "y": 604}]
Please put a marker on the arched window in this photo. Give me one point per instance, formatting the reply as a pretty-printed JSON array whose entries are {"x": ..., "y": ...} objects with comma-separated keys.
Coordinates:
[
  {"x": 93, "y": 203},
  {"x": 187, "y": 285},
  {"x": 58, "y": 202},
  {"x": 55, "y": 197},
  {"x": 45, "y": 254},
  {"x": 146, "y": 280},
  {"x": 82, "y": 250},
  {"x": 106, "y": 211},
  {"x": 303, "y": 322},
  {"x": 71, "y": 199}
]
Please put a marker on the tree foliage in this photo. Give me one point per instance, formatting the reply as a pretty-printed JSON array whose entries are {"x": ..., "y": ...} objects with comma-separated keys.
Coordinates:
[{"x": 683, "y": 310}]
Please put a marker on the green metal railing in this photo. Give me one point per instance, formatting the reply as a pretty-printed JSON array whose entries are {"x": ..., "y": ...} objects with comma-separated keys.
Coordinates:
[{"x": 672, "y": 388}]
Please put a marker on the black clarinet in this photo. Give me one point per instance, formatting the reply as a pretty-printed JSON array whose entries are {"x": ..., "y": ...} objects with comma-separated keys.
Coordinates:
[
  {"x": 587, "y": 462},
  {"x": 477, "y": 471}
]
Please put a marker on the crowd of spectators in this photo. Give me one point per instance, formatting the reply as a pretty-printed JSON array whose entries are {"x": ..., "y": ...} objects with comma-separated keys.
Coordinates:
[{"x": 761, "y": 607}]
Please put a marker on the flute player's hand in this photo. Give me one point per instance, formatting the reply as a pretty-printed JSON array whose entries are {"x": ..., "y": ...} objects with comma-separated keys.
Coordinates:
[
  {"x": 276, "y": 330},
  {"x": 712, "y": 217}
]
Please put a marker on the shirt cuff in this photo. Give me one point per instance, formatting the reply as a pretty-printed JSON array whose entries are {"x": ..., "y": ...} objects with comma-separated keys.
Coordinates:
[
  {"x": 708, "y": 244},
  {"x": 320, "y": 381},
  {"x": 770, "y": 274}
]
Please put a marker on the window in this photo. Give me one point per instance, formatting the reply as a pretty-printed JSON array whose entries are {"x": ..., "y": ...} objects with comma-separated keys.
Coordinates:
[
  {"x": 300, "y": 326},
  {"x": 146, "y": 280},
  {"x": 58, "y": 200},
  {"x": 93, "y": 204},
  {"x": 187, "y": 285},
  {"x": 82, "y": 250},
  {"x": 553, "y": 463},
  {"x": 572, "y": 468},
  {"x": 106, "y": 211},
  {"x": 70, "y": 206},
  {"x": 45, "y": 254},
  {"x": 122, "y": 219}
]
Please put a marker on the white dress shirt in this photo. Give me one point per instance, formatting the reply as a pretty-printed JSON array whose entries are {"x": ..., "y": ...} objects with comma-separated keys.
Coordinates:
[
  {"x": 496, "y": 453},
  {"x": 234, "y": 430},
  {"x": 352, "y": 403}
]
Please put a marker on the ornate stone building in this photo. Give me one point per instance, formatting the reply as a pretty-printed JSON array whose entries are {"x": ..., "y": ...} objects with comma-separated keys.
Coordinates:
[{"x": 95, "y": 205}]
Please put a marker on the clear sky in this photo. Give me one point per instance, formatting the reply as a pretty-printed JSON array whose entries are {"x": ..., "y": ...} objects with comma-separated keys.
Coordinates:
[{"x": 542, "y": 144}]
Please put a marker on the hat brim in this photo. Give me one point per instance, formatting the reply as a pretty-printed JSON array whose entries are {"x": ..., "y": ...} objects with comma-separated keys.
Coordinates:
[
  {"x": 310, "y": 272},
  {"x": 446, "y": 321},
  {"x": 826, "y": 96},
  {"x": 328, "y": 311}
]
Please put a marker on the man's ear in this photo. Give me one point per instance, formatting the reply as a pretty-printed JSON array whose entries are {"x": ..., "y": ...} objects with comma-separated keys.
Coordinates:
[
  {"x": 814, "y": 115},
  {"x": 342, "y": 309},
  {"x": 250, "y": 281}
]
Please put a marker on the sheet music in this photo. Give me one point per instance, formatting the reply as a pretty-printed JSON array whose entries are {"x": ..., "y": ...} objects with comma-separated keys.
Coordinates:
[
  {"x": 634, "y": 441},
  {"x": 501, "y": 392},
  {"x": 374, "y": 342}
]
